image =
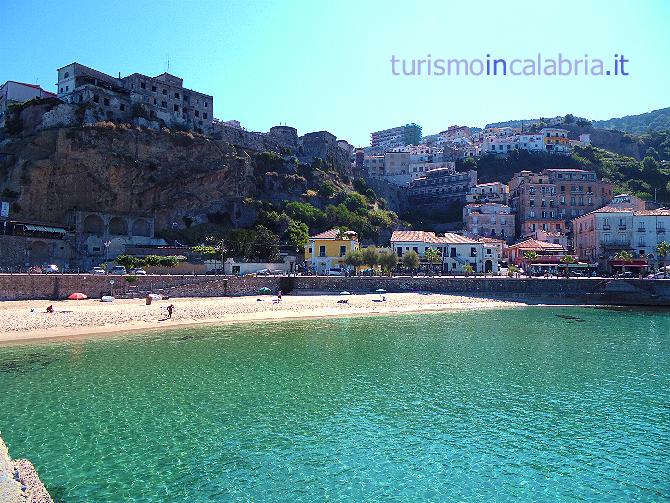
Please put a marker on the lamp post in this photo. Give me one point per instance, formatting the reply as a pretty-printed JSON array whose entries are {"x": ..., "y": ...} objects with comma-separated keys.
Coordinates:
[
  {"x": 106, "y": 244},
  {"x": 111, "y": 287}
]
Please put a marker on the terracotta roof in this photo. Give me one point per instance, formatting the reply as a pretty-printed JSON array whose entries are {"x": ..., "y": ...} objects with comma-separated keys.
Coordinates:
[
  {"x": 659, "y": 212},
  {"x": 536, "y": 245},
  {"x": 330, "y": 234},
  {"x": 430, "y": 238},
  {"x": 485, "y": 239}
]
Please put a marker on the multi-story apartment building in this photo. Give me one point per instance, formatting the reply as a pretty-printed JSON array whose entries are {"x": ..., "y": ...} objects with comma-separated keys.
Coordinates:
[
  {"x": 12, "y": 92},
  {"x": 550, "y": 140},
  {"x": 489, "y": 219},
  {"x": 457, "y": 251},
  {"x": 163, "y": 98},
  {"x": 443, "y": 185},
  {"x": 602, "y": 233},
  {"x": 551, "y": 199},
  {"x": 409, "y": 134},
  {"x": 374, "y": 165},
  {"x": 492, "y": 192}
]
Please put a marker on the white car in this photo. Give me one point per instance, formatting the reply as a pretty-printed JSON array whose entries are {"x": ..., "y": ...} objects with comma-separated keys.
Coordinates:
[
  {"x": 138, "y": 272},
  {"x": 335, "y": 271},
  {"x": 51, "y": 269},
  {"x": 98, "y": 270},
  {"x": 118, "y": 269}
]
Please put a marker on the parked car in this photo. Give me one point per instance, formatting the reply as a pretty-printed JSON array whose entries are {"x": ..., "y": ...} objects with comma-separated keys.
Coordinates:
[
  {"x": 51, "y": 269},
  {"x": 658, "y": 275},
  {"x": 335, "y": 271},
  {"x": 138, "y": 272},
  {"x": 118, "y": 269},
  {"x": 627, "y": 275},
  {"x": 262, "y": 272},
  {"x": 98, "y": 270}
]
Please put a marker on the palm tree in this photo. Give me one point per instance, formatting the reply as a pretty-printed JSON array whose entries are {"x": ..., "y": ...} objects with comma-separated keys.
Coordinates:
[
  {"x": 663, "y": 248},
  {"x": 530, "y": 255},
  {"x": 511, "y": 270},
  {"x": 433, "y": 256},
  {"x": 568, "y": 259},
  {"x": 468, "y": 269},
  {"x": 625, "y": 257}
]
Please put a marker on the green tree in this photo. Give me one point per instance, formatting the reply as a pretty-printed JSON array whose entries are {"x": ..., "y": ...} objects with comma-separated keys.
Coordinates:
[
  {"x": 512, "y": 270},
  {"x": 569, "y": 119},
  {"x": 127, "y": 261},
  {"x": 266, "y": 244},
  {"x": 411, "y": 261},
  {"x": 298, "y": 235},
  {"x": 530, "y": 255},
  {"x": 327, "y": 189},
  {"x": 371, "y": 257},
  {"x": 388, "y": 261},
  {"x": 354, "y": 259},
  {"x": 240, "y": 243},
  {"x": 663, "y": 248},
  {"x": 433, "y": 256},
  {"x": 468, "y": 269}
]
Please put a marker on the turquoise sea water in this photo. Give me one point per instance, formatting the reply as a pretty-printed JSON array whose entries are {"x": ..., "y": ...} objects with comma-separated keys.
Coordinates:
[{"x": 537, "y": 404}]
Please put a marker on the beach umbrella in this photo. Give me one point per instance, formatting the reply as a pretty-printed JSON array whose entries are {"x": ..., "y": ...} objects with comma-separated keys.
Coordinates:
[
  {"x": 265, "y": 291},
  {"x": 345, "y": 293},
  {"x": 77, "y": 296}
]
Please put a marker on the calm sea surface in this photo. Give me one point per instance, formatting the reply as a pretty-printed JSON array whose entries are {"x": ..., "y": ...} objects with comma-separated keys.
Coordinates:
[{"x": 537, "y": 404}]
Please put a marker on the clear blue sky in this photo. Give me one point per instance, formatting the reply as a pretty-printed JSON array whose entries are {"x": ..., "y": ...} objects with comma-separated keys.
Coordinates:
[{"x": 325, "y": 65}]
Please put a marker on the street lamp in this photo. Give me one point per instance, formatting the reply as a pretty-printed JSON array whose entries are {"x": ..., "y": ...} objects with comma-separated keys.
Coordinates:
[{"x": 107, "y": 243}]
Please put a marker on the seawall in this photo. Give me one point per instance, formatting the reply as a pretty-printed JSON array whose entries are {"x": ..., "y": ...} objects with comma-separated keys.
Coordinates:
[{"x": 588, "y": 291}]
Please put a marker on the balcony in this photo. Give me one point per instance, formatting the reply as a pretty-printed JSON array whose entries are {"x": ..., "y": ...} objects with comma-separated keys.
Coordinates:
[
  {"x": 606, "y": 227},
  {"x": 622, "y": 227},
  {"x": 660, "y": 230},
  {"x": 641, "y": 229}
]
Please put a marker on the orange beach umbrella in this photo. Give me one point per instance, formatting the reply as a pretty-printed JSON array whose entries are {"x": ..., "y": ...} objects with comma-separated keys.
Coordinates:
[{"x": 77, "y": 296}]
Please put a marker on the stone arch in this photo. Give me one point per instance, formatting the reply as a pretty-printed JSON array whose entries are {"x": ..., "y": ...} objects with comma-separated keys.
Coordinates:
[
  {"x": 39, "y": 252},
  {"x": 118, "y": 226},
  {"x": 141, "y": 227},
  {"x": 94, "y": 224}
]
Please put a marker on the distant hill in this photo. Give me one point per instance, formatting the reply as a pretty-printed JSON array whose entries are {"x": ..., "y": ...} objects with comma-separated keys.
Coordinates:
[{"x": 657, "y": 120}]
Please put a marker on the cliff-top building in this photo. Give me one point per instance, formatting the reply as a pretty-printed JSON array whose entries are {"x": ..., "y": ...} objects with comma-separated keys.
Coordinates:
[
  {"x": 12, "y": 92},
  {"x": 162, "y": 99}
]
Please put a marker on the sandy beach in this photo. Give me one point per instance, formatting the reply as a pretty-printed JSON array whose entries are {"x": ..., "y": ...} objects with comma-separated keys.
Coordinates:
[{"x": 29, "y": 321}]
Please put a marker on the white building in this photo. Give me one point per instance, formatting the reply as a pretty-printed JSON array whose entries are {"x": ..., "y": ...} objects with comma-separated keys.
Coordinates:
[
  {"x": 457, "y": 251},
  {"x": 12, "y": 92},
  {"x": 601, "y": 234}
]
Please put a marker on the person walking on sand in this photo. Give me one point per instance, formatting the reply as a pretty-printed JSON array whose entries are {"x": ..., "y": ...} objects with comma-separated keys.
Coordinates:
[
  {"x": 169, "y": 310},
  {"x": 279, "y": 296},
  {"x": 50, "y": 309}
]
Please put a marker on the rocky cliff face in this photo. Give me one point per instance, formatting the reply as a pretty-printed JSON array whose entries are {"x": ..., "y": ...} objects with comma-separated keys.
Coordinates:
[{"x": 176, "y": 176}]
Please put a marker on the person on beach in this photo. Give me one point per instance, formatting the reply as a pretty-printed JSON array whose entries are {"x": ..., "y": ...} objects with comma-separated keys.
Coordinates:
[
  {"x": 279, "y": 296},
  {"x": 50, "y": 309},
  {"x": 169, "y": 310}
]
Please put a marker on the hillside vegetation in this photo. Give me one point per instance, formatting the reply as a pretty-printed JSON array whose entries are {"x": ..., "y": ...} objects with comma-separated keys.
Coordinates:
[{"x": 656, "y": 120}]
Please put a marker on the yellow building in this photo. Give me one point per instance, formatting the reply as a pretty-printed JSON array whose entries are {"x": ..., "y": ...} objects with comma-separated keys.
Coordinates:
[{"x": 326, "y": 250}]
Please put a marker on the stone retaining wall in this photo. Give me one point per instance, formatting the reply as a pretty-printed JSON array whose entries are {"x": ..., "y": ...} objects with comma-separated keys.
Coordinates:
[{"x": 59, "y": 286}]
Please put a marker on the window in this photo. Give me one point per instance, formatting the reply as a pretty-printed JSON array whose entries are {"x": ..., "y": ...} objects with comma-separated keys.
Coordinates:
[
  {"x": 164, "y": 104},
  {"x": 176, "y": 108},
  {"x": 106, "y": 102},
  {"x": 197, "y": 113},
  {"x": 204, "y": 116},
  {"x": 176, "y": 95},
  {"x": 164, "y": 92},
  {"x": 205, "y": 104},
  {"x": 322, "y": 251},
  {"x": 309, "y": 250},
  {"x": 67, "y": 88},
  {"x": 96, "y": 98},
  {"x": 343, "y": 250},
  {"x": 122, "y": 107},
  {"x": 67, "y": 74},
  {"x": 61, "y": 89},
  {"x": 473, "y": 251},
  {"x": 399, "y": 251},
  {"x": 143, "y": 85},
  {"x": 153, "y": 88}
]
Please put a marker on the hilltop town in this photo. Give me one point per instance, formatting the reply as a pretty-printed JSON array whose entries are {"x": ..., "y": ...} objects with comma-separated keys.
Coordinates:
[{"x": 137, "y": 170}]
